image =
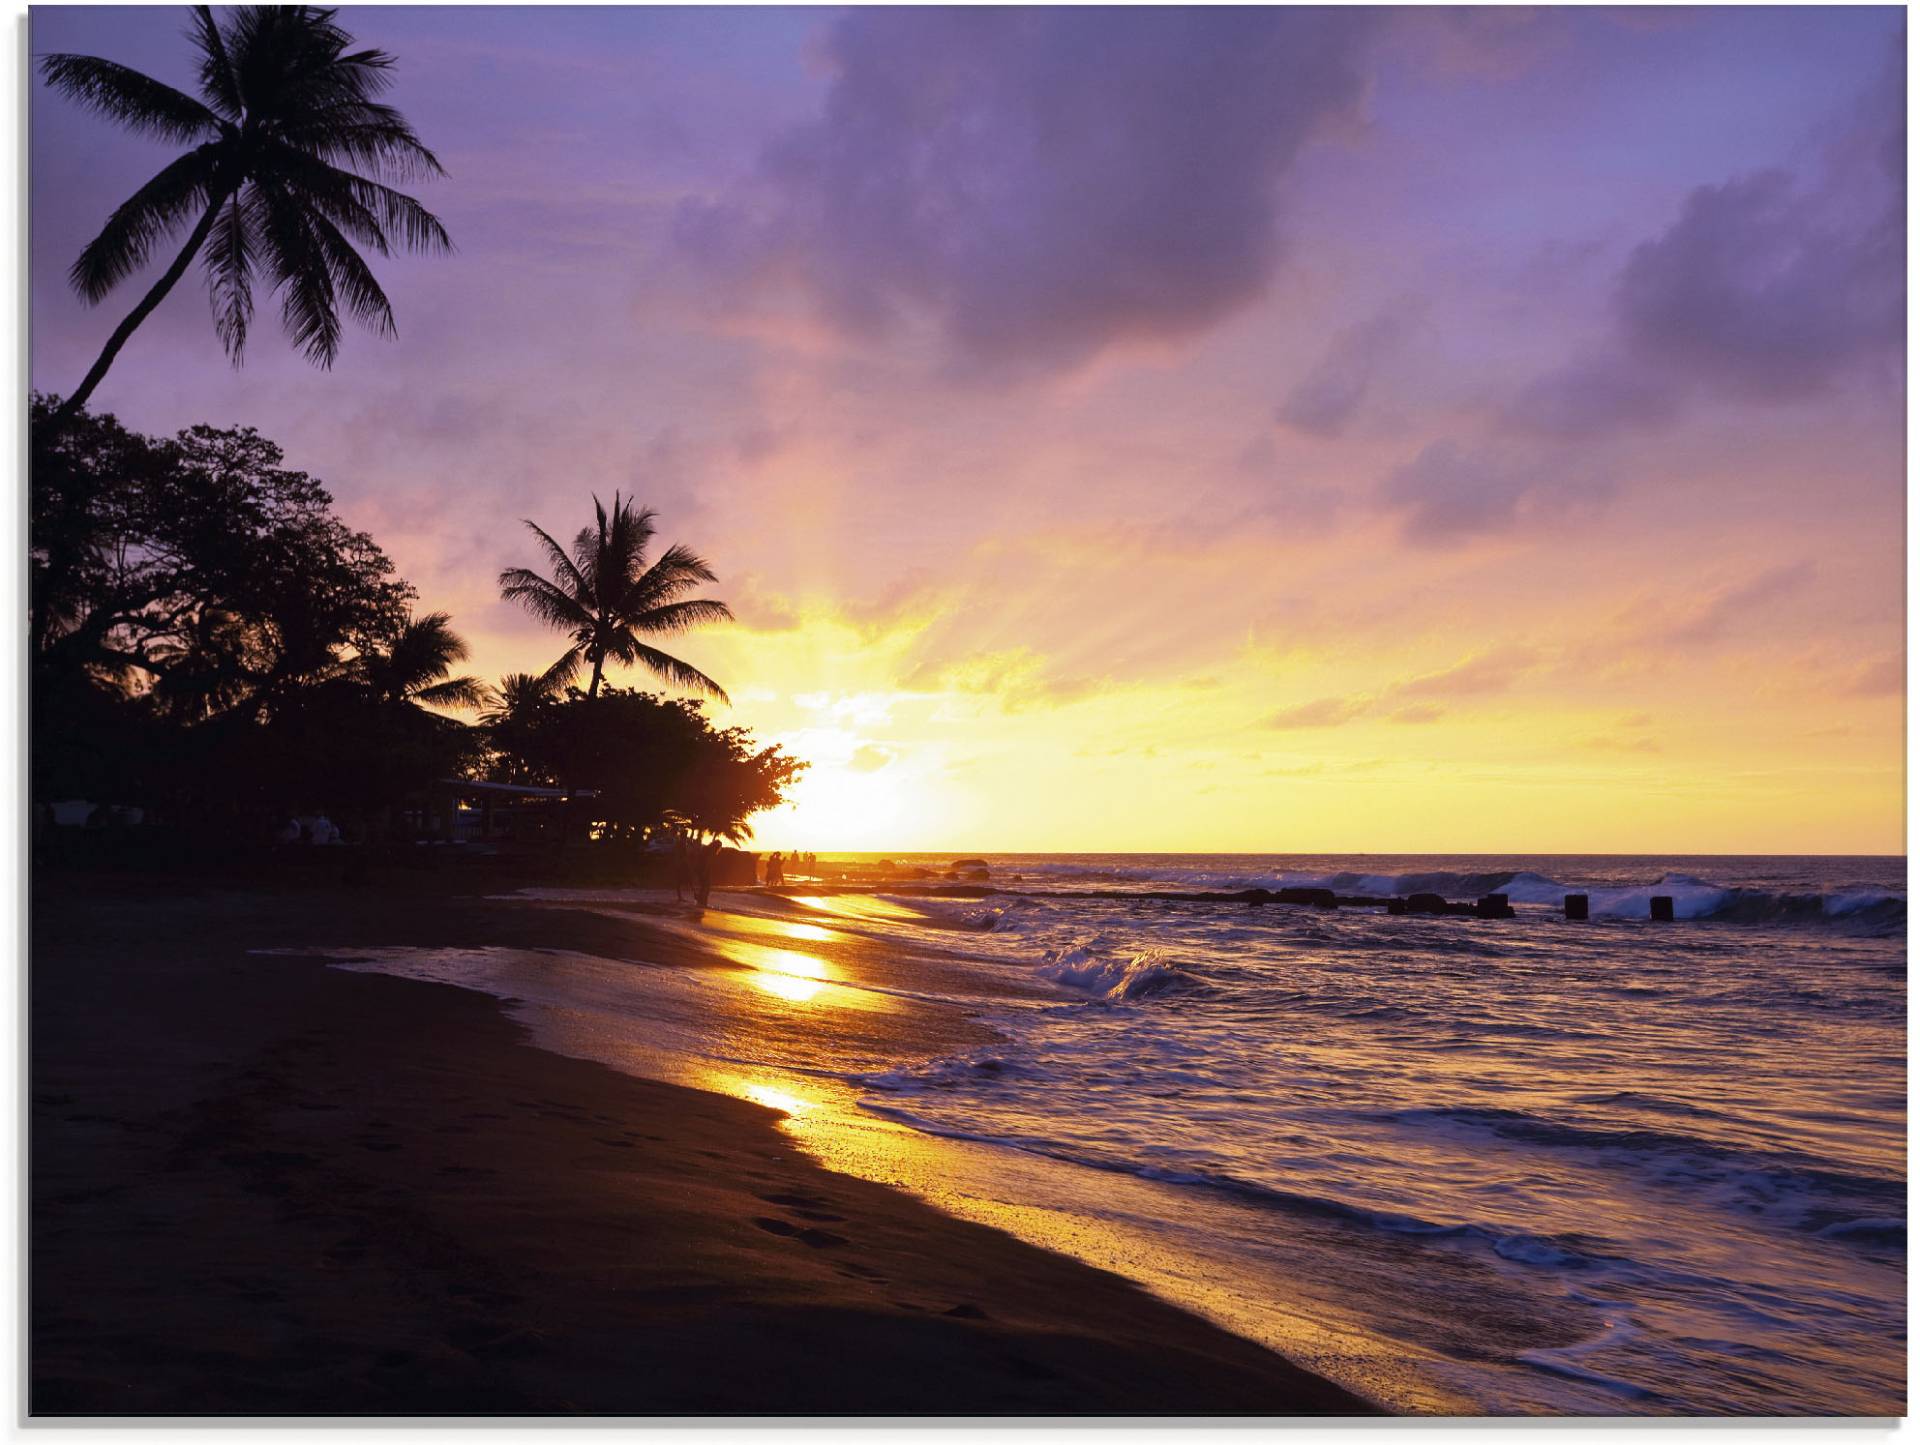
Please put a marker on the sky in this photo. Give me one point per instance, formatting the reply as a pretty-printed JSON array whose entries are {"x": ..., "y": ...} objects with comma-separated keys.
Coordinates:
[{"x": 1213, "y": 430}]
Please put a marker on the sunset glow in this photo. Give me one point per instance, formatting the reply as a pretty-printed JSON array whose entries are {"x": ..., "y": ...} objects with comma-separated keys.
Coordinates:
[{"x": 1411, "y": 517}]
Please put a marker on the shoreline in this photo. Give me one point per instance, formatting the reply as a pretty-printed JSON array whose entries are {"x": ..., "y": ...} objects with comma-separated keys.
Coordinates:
[{"x": 263, "y": 1186}]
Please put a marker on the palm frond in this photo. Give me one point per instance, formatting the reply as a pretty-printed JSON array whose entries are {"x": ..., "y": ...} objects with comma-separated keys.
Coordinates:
[
  {"x": 183, "y": 188},
  {"x": 457, "y": 692},
  {"x": 681, "y": 674},
  {"x": 353, "y": 282},
  {"x": 233, "y": 248},
  {"x": 323, "y": 189},
  {"x": 544, "y": 599},
  {"x": 346, "y": 195},
  {"x": 302, "y": 275},
  {"x": 675, "y": 572},
  {"x": 139, "y": 102},
  {"x": 679, "y": 616},
  {"x": 217, "y": 80},
  {"x": 565, "y": 669},
  {"x": 367, "y": 134},
  {"x": 289, "y": 58},
  {"x": 566, "y": 575},
  {"x": 518, "y": 695}
]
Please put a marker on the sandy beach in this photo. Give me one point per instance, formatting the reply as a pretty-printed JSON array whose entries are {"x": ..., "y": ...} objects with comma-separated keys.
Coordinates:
[{"x": 263, "y": 1186}]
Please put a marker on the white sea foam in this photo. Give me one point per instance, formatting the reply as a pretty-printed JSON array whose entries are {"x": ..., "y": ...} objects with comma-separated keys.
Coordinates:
[{"x": 1121, "y": 978}]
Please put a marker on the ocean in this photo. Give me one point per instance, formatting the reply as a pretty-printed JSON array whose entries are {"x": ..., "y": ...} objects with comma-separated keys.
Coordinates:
[{"x": 1466, "y": 1165}]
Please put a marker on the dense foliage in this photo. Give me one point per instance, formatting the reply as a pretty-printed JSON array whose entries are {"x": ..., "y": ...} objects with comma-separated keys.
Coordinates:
[
  {"x": 653, "y": 761},
  {"x": 211, "y": 643}
]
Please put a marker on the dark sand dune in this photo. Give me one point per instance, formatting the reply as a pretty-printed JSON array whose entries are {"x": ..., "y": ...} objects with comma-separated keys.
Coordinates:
[{"x": 265, "y": 1187}]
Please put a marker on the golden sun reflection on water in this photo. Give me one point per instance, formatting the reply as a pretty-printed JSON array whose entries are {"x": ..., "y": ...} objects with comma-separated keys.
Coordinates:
[
  {"x": 787, "y": 973},
  {"x": 773, "y": 1098},
  {"x": 782, "y": 985},
  {"x": 858, "y": 905},
  {"x": 782, "y": 928}
]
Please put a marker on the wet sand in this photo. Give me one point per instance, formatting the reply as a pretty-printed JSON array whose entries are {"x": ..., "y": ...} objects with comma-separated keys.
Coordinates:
[{"x": 262, "y": 1186}]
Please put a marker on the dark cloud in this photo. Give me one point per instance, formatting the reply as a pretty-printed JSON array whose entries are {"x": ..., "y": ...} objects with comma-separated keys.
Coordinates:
[
  {"x": 1040, "y": 183},
  {"x": 1768, "y": 286},
  {"x": 1449, "y": 493},
  {"x": 1594, "y": 397},
  {"x": 1326, "y": 398},
  {"x": 1762, "y": 289}
]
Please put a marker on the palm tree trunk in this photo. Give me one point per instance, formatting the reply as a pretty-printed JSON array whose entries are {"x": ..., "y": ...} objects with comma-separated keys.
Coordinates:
[
  {"x": 593, "y": 685},
  {"x": 126, "y": 328}
]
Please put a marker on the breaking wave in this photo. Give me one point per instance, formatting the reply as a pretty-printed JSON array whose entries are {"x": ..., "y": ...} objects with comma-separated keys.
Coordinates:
[
  {"x": 1117, "y": 979},
  {"x": 1694, "y": 899}
]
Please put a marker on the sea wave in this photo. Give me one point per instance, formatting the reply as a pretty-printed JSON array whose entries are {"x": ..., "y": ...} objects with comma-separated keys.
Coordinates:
[
  {"x": 1799, "y": 1193},
  {"x": 1122, "y": 978},
  {"x": 1536, "y": 1251},
  {"x": 1694, "y": 899}
]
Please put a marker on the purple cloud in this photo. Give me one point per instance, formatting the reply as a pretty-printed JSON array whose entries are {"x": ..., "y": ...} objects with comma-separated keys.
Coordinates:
[
  {"x": 1767, "y": 287},
  {"x": 1762, "y": 290},
  {"x": 1040, "y": 184},
  {"x": 1450, "y": 493},
  {"x": 1594, "y": 397},
  {"x": 1326, "y": 398}
]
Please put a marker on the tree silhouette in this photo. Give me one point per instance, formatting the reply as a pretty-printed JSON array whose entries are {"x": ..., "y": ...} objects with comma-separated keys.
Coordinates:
[
  {"x": 285, "y": 109},
  {"x": 519, "y": 696},
  {"x": 607, "y": 596},
  {"x": 411, "y": 670}
]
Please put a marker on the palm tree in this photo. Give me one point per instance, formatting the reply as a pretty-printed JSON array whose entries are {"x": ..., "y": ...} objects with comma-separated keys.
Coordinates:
[
  {"x": 284, "y": 110},
  {"x": 606, "y": 595},
  {"x": 519, "y": 696},
  {"x": 412, "y": 671}
]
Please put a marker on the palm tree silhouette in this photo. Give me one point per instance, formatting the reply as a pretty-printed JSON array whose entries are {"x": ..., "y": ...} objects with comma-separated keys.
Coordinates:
[
  {"x": 285, "y": 108},
  {"x": 519, "y": 696},
  {"x": 607, "y": 595},
  {"x": 412, "y": 670}
]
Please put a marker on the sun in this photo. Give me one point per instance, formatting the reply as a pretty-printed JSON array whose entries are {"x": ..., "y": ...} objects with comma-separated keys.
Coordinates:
[{"x": 838, "y": 808}]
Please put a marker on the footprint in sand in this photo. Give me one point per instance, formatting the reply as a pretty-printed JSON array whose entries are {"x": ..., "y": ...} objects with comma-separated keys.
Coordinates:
[
  {"x": 813, "y": 1238},
  {"x": 806, "y": 1206}
]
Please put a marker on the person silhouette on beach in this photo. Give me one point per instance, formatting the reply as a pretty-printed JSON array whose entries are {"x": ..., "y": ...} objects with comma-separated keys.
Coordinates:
[
  {"x": 703, "y": 872},
  {"x": 776, "y": 871},
  {"x": 682, "y": 868}
]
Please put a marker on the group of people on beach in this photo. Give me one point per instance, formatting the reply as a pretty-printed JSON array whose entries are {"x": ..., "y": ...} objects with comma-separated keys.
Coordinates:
[
  {"x": 777, "y": 867},
  {"x": 693, "y": 867}
]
